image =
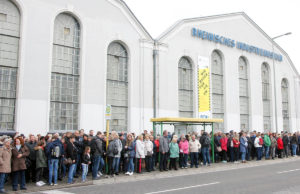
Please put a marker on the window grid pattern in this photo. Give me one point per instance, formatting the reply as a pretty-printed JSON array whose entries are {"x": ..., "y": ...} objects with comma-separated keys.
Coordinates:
[
  {"x": 217, "y": 89},
  {"x": 266, "y": 92},
  {"x": 9, "y": 48},
  {"x": 185, "y": 88},
  {"x": 244, "y": 94},
  {"x": 117, "y": 85},
  {"x": 64, "y": 108},
  {"x": 285, "y": 104}
]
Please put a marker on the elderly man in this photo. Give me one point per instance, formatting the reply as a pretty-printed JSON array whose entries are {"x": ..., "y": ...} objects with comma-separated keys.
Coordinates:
[{"x": 163, "y": 150}]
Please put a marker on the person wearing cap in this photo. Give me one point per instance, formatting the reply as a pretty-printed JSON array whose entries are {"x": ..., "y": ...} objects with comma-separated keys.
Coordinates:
[{"x": 5, "y": 162}]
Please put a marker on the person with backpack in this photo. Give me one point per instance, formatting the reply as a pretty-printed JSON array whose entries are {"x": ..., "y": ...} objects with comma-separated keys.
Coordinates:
[
  {"x": 258, "y": 143},
  {"x": 267, "y": 143},
  {"x": 205, "y": 143},
  {"x": 97, "y": 151},
  {"x": 54, "y": 150}
]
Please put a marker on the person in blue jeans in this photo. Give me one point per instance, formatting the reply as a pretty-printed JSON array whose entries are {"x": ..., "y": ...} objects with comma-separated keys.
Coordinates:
[
  {"x": 72, "y": 154},
  {"x": 243, "y": 147},
  {"x": 205, "y": 142},
  {"x": 97, "y": 150},
  {"x": 86, "y": 160},
  {"x": 129, "y": 148},
  {"x": 54, "y": 152}
]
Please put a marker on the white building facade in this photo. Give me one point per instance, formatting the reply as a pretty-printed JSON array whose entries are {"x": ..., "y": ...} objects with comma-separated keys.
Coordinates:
[{"x": 63, "y": 61}]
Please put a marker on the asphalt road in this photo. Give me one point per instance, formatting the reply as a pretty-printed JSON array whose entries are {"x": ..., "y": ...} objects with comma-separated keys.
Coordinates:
[{"x": 275, "y": 178}]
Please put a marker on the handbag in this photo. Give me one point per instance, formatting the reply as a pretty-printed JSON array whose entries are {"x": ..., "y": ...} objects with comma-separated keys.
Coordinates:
[
  {"x": 219, "y": 149},
  {"x": 68, "y": 161}
]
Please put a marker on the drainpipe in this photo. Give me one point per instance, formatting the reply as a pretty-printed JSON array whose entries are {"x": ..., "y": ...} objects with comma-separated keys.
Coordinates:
[{"x": 155, "y": 57}]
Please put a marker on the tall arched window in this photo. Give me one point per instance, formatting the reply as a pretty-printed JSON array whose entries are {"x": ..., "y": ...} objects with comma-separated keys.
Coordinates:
[
  {"x": 65, "y": 74},
  {"x": 244, "y": 94},
  {"x": 217, "y": 65},
  {"x": 9, "y": 52},
  {"x": 285, "y": 104},
  {"x": 266, "y": 97},
  {"x": 185, "y": 88},
  {"x": 117, "y": 85}
]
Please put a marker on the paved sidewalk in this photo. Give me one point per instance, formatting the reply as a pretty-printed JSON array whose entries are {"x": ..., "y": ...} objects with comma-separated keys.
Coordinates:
[{"x": 154, "y": 175}]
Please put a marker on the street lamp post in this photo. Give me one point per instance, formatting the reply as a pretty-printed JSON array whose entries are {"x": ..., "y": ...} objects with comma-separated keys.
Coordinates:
[{"x": 274, "y": 75}]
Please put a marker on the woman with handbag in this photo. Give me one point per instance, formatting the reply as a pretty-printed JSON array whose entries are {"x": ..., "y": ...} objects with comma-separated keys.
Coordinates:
[
  {"x": 174, "y": 153},
  {"x": 19, "y": 154},
  {"x": 71, "y": 158},
  {"x": 129, "y": 154},
  {"x": 148, "y": 152}
]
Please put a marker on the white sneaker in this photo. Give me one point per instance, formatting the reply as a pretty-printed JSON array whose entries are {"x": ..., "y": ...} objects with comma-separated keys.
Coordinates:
[
  {"x": 42, "y": 183},
  {"x": 127, "y": 173},
  {"x": 131, "y": 173},
  {"x": 38, "y": 184},
  {"x": 99, "y": 174}
]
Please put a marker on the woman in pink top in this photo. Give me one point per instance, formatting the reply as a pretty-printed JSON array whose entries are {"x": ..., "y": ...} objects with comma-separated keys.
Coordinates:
[
  {"x": 223, "y": 142},
  {"x": 183, "y": 151}
]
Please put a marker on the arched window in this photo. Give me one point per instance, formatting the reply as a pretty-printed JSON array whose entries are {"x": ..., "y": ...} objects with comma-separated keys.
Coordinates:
[
  {"x": 65, "y": 74},
  {"x": 117, "y": 85},
  {"x": 266, "y": 97},
  {"x": 285, "y": 104},
  {"x": 217, "y": 88},
  {"x": 185, "y": 88},
  {"x": 9, "y": 53},
  {"x": 244, "y": 94}
]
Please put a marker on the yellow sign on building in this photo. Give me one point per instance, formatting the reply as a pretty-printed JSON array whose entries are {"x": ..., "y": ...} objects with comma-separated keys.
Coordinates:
[{"x": 203, "y": 88}]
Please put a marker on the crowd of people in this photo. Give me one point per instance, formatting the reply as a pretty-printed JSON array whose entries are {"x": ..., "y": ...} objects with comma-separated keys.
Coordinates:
[{"x": 54, "y": 157}]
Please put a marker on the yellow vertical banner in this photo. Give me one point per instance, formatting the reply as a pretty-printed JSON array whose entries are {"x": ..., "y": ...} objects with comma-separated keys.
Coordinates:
[{"x": 203, "y": 88}]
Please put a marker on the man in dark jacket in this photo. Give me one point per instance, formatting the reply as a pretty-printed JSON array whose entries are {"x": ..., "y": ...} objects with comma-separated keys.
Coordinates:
[
  {"x": 54, "y": 150},
  {"x": 286, "y": 143},
  {"x": 97, "y": 151},
  {"x": 30, "y": 172},
  {"x": 205, "y": 143}
]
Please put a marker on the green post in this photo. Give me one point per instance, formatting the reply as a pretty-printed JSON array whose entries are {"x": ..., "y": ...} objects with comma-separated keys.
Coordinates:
[
  {"x": 212, "y": 143},
  {"x": 204, "y": 126},
  {"x": 161, "y": 129}
]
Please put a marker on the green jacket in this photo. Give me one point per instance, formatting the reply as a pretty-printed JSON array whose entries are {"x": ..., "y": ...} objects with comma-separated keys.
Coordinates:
[
  {"x": 267, "y": 140},
  {"x": 174, "y": 150},
  {"x": 41, "y": 161}
]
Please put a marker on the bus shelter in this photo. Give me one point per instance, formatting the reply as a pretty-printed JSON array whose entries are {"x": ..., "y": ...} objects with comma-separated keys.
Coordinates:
[{"x": 187, "y": 121}]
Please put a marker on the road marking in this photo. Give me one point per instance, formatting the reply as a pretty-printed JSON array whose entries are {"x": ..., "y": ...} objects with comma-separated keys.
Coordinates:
[
  {"x": 288, "y": 171},
  {"x": 182, "y": 188},
  {"x": 55, "y": 192}
]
